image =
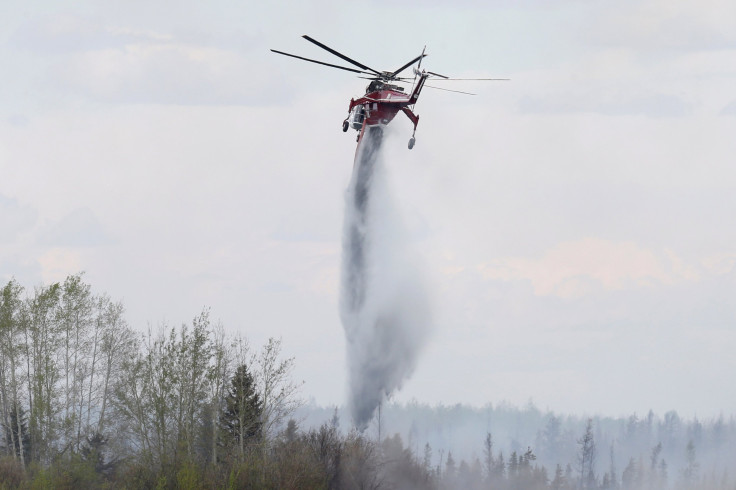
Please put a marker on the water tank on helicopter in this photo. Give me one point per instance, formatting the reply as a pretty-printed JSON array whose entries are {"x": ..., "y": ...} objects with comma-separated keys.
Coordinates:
[{"x": 357, "y": 117}]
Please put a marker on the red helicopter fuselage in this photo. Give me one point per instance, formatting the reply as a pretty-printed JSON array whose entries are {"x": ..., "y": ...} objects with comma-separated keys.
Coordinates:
[{"x": 380, "y": 105}]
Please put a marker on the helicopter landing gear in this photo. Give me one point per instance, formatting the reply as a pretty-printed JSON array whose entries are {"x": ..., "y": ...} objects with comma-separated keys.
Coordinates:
[
  {"x": 345, "y": 126},
  {"x": 411, "y": 142}
]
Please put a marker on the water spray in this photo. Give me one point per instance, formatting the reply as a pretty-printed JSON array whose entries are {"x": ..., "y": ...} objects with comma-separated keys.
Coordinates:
[{"x": 383, "y": 304}]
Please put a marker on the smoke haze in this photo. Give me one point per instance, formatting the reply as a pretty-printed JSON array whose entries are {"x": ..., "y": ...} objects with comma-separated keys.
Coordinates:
[{"x": 384, "y": 305}]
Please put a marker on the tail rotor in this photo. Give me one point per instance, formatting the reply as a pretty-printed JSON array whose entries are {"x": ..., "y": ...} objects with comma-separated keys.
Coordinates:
[{"x": 417, "y": 70}]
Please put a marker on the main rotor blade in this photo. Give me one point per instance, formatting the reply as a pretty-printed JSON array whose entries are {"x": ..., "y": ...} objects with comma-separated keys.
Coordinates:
[
  {"x": 481, "y": 79},
  {"x": 436, "y": 74},
  {"x": 408, "y": 64},
  {"x": 448, "y": 90},
  {"x": 340, "y": 55},
  {"x": 446, "y": 78},
  {"x": 321, "y": 62}
]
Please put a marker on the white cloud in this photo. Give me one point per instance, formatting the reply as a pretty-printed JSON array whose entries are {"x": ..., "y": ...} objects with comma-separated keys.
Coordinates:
[
  {"x": 80, "y": 228},
  {"x": 573, "y": 269},
  {"x": 14, "y": 218},
  {"x": 653, "y": 25},
  {"x": 619, "y": 81},
  {"x": 124, "y": 64},
  {"x": 618, "y": 104},
  {"x": 63, "y": 33},
  {"x": 168, "y": 73},
  {"x": 720, "y": 264},
  {"x": 57, "y": 263},
  {"x": 730, "y": 109}
]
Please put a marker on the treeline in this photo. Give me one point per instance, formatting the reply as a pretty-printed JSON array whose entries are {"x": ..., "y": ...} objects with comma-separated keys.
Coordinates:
[
  {"x": 86, "y": 401},
  {"x": 587, "y": 457},
  {"x": 523, "y": 471},
  {"x": 460, "y": 428}
]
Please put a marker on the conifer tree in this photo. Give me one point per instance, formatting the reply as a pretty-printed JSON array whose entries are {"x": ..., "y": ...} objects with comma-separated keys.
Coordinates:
[
  {"x": 586, "y": 459},
  {"x": 240, "y": 419}
]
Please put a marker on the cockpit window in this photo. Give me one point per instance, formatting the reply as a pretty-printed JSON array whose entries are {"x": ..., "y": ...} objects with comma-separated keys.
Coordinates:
[{"x": 374, "y": 86}]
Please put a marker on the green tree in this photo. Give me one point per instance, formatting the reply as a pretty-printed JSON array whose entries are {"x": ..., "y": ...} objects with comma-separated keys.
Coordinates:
[
  {"x": 11, "y": 329},
  {"x": 240, "y": 420},
  {"x": 550, "y": 438},
  {"x": 630, "y": 475},
  {"x": 558, "y": 482},
  {"x": 193, "y": 378},
  {"x": 488, "y": 459},
  {"x": 278, "y": 393},
  {"x": 586, "y": 457},
  {"x": 499, "y": 470},
  {"x": 218, "y": 377},
  {"x": 117, "y": 343},
  {"x": 17, "y": 437},
  {"x": 450, "y": 475},
  {"x": 94, "y": 453},
  {"x": 513, "y": 466},
  {"x": 692, "y": 467},
  {"x": 75, "y": 315},
  {"x": 42, "y": 345},
  {"x": 327, "y": 447},
  {"x": 144, "y": 398}
]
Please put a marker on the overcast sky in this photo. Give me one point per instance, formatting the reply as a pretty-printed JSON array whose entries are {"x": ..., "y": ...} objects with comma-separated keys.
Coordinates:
[{"x": 575, "y": 224}]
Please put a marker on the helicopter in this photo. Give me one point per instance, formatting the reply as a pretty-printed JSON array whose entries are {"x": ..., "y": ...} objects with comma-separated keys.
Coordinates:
[{"x": 383, "y": 98}]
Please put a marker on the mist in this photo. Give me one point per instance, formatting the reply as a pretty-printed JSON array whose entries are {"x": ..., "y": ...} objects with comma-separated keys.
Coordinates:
[
  {"x": 632, "y": 452},
  {"x": 384, "y": 304}
]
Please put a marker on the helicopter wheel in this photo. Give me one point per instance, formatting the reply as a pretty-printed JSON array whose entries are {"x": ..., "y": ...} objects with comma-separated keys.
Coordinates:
[
  {"x": 411, "y": 142},
  {"x": 345, "y": 126}
]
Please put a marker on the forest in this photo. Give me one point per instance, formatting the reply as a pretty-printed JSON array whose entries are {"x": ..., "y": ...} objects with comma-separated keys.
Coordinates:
[{"x": 88, "y": 401}]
